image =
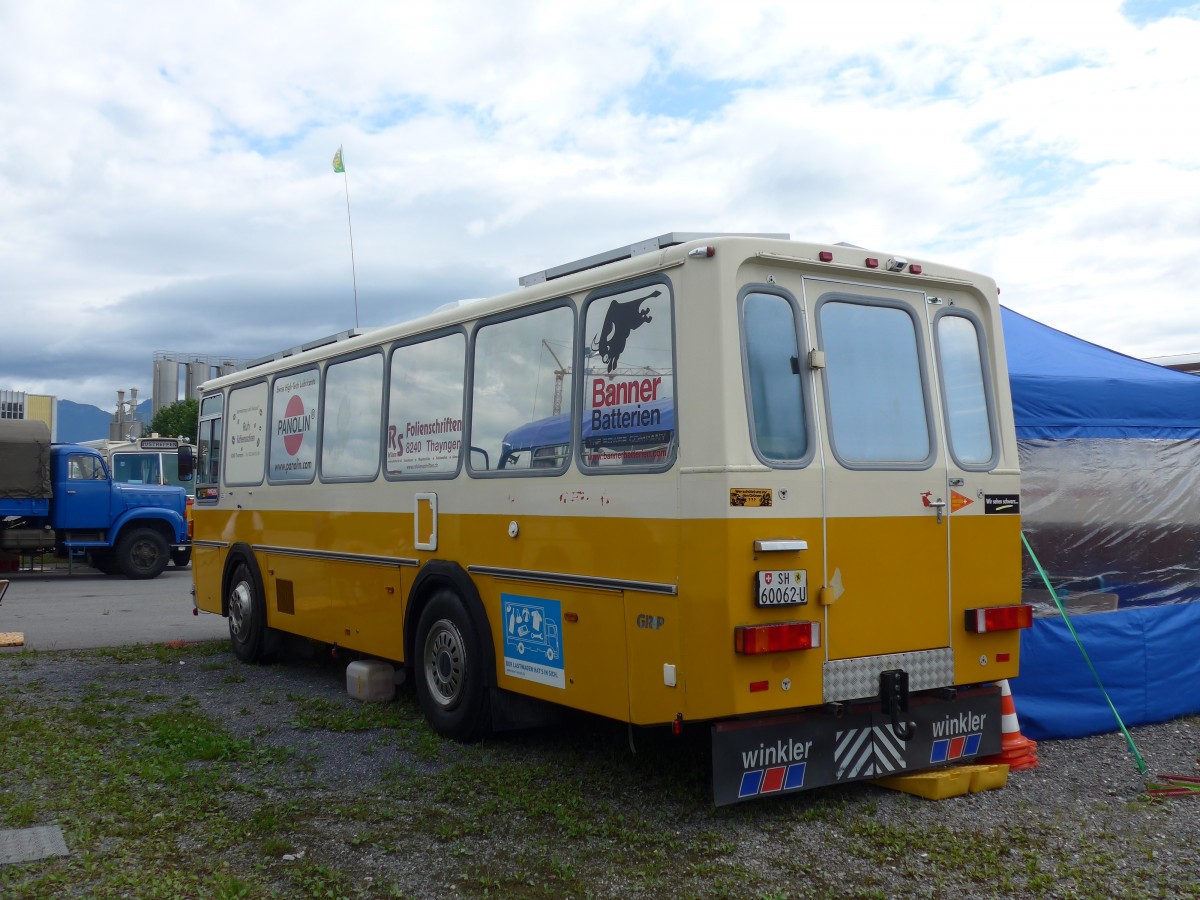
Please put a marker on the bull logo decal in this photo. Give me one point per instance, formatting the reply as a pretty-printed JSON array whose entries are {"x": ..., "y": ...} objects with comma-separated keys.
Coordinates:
[{"x": 619, "y": 321}]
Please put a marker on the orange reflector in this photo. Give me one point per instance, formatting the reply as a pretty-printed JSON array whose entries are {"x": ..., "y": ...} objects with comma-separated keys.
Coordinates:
[
  {"x": 999, "y": 618},
  {"x": 756, "y": 686},
  {"x": 776, "y": 637}
]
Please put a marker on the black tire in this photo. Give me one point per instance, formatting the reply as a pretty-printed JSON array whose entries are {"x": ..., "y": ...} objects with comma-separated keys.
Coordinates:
[
  {"x": 104, "y": 561},
  {"x": 247, "y": 616},
  {"x": 142, "y": 553},
  {"x": 451, "y": 682},
  {"x": 181, "y": 558}
]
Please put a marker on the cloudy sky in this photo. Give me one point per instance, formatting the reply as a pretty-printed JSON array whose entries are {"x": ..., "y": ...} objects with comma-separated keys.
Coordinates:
[{"x": 166, "y": 181}]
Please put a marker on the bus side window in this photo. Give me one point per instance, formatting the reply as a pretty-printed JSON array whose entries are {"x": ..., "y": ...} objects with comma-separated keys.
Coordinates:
[
  {"x": 522, "y": 383},
  {"x": 352, "y": 412},
  {"x": 211, "y": 408},
  {"x": 245, "y": 462},
  {"x": 424, "y": 430},
  {"x": 628, "y": 412}
]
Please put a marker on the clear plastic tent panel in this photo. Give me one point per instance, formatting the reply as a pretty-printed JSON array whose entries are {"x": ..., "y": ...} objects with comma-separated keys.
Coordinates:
[{"x": 1112, "y": 516}]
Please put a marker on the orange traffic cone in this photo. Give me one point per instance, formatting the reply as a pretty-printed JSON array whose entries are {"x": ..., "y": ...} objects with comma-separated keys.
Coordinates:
[{"x": 1018, "y": 751}]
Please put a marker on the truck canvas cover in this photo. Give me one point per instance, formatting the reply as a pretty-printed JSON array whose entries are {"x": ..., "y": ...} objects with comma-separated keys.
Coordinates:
[{"x": 24, "y": 460}]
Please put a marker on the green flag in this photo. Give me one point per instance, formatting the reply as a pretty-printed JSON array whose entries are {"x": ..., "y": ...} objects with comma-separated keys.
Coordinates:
[{"x": 337, "y": 161}]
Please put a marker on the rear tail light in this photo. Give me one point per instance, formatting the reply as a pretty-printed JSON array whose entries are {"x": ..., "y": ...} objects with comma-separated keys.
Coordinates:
[
  {"x": 999, "y": 618},
  {"x": 776, "y": 637}
]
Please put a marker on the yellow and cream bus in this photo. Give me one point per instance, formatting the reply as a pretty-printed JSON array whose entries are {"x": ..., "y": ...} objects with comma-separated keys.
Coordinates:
[{"x": 765, "y": 486}]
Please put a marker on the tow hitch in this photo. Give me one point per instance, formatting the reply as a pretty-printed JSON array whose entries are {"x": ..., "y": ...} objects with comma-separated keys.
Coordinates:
[{"x": 893, "y": 695}]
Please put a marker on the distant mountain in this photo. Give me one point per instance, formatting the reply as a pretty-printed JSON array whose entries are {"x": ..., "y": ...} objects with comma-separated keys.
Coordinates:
[{"x": 83, "y": 422}]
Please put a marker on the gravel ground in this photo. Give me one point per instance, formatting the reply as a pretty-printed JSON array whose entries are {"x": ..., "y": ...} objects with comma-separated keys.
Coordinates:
[{"x": 1078, "y": 825}]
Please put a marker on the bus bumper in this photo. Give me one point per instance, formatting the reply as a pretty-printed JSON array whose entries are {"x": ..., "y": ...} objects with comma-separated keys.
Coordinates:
[{"x": 755, "y": 758}]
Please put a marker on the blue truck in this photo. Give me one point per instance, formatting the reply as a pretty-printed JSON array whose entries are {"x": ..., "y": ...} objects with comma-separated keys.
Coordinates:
[{"x": 61, "y": 498}]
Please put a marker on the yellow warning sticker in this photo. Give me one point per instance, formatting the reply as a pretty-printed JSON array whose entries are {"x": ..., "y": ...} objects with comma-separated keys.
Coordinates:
[{"x": 749, "y": 496}]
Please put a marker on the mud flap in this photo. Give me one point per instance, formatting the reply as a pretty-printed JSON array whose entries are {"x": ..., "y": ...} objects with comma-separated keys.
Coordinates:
[{"x": 763, "y": 757}]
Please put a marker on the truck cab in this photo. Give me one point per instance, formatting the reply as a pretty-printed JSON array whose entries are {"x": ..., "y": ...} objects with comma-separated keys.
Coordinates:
[{"x": 61, "y": 498}]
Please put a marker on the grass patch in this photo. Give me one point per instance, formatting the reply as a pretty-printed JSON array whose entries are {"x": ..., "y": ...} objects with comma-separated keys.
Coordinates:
[
  {"x": 315, "y": 712},
  {"x": 234, "y": 782},
  {"x": 175, "y": 652}
]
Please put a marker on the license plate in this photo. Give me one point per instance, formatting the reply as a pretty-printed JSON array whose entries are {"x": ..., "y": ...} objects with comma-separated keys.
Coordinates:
[{"x": 785, "y": 587}]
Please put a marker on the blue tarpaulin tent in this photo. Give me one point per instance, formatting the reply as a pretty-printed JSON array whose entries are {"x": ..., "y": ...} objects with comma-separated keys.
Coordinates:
[
  {"x": 1110, "y": 459},
  {"x": 1063, "y": 387}
]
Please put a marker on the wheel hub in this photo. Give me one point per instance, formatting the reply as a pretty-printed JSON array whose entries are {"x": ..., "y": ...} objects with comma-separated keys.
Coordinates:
[
  {"x": 239, "y": 610},
  {"x": 444, "y": 664}
]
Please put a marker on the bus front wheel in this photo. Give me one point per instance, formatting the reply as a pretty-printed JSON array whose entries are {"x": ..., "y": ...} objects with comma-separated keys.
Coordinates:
[
  {"x": 247, "y": 616},
  {"x": 450, "y": 678}
]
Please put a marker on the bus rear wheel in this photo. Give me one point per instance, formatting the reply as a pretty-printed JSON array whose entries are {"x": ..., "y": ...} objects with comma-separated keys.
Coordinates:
[
  {"x": 247, "y": 616},
  {"x": 450, "y": 680}
]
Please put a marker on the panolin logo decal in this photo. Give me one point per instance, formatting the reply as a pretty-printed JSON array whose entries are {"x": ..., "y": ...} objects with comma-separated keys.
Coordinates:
[
  {"x": 293, "y": 457},
  {"x": 294, "y": 425},
  {"x": 958, "y": 501}
]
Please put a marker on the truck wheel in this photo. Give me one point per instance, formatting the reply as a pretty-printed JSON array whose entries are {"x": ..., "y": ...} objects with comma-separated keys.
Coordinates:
[
  {"x": 247, "y": 616},
  {"x": 103, "y": 561},
  {"x": 180, "y": 558},
  {"x": 450, "y": 678},
  {"x": 142, "y": 553}
]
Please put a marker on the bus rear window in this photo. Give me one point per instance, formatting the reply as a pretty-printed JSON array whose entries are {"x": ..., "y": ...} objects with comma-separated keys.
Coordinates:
[
  {"x": 969, "y": 419},
  {"x": 779, "y": 425},
  {"x": 875, "y": 386}
]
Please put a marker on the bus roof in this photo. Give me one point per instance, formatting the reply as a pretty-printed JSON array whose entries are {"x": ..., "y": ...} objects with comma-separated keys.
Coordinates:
[{"x": 630, "y": 261}]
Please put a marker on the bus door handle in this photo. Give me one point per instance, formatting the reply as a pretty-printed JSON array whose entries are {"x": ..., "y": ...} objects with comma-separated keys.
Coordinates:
[
  {"x": 939, "y": 504},
  {"x": 779, "y": 545},
  {"x": 425, "y": 522}
]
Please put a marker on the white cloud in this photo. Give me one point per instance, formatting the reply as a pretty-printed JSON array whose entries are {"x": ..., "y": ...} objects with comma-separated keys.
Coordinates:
[{"x": 167, "y": 180}]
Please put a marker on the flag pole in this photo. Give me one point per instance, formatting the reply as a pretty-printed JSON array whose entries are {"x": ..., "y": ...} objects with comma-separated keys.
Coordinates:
[{"x": 340, "y": 166}]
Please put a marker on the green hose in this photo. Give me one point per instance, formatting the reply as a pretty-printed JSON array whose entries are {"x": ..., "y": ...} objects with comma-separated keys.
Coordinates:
[{"x": 1141, "y": 763}]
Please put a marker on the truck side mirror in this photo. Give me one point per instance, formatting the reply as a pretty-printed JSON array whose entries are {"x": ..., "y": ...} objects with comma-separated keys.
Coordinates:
[{"x": 187, "y": 462}]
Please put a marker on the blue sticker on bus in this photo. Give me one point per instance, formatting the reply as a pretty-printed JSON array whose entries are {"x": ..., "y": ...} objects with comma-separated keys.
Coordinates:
[{"x": 533, "y": 639}]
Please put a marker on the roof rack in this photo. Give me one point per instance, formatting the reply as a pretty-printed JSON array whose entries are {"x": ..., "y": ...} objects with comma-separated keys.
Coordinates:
[
  {"x": 310, "y": 345},
  {"x": 631, "y": 250}
]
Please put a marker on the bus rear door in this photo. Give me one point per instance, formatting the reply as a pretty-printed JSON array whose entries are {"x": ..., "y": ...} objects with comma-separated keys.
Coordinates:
[{"x": 887, "y": 545}]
